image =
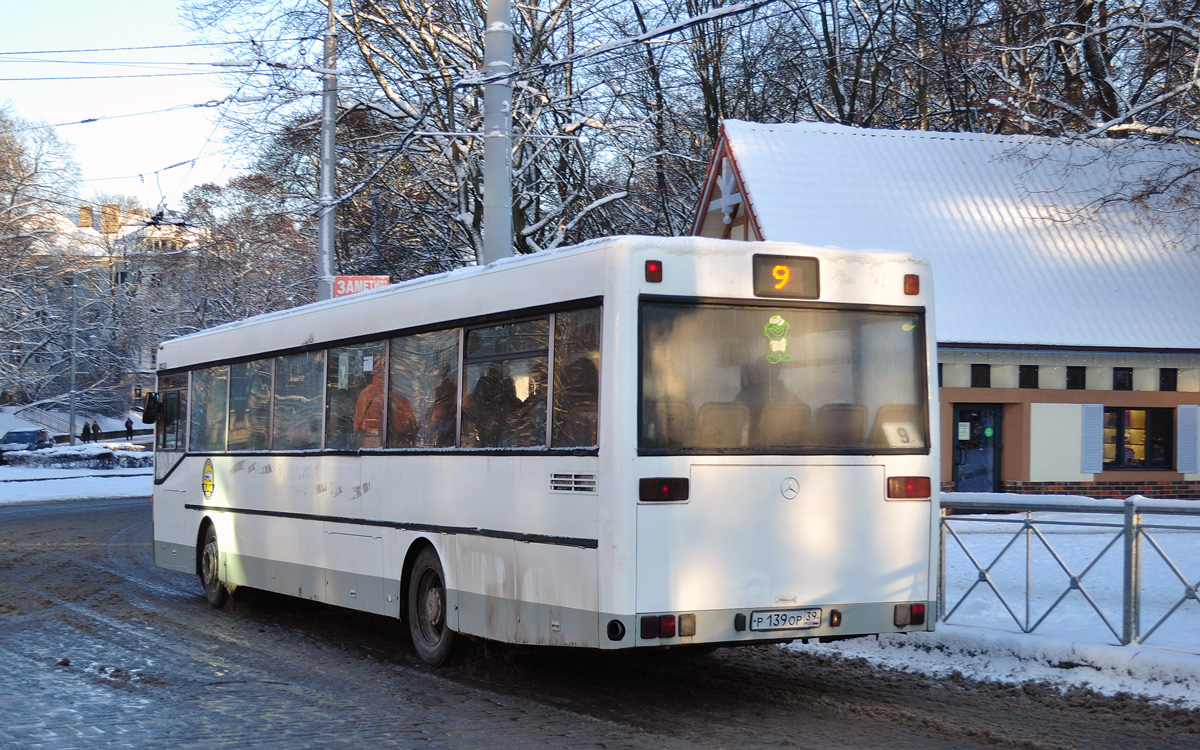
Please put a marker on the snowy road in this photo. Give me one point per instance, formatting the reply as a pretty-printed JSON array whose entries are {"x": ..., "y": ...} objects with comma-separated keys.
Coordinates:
[{"x": 99, "y": 647}]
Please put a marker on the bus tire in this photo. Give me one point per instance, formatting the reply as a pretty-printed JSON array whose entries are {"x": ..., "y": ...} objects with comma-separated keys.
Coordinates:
[
  {"x": 210, "y": 569},
  {"x": 431, "y": 636}
]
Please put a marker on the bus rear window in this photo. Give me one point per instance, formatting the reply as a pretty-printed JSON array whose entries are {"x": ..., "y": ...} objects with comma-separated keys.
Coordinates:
[{"x": 757, "y": 379}]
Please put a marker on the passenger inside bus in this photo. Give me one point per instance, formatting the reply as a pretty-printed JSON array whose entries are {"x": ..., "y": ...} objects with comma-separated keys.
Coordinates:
[
  {"x": 402, "y": 423},
  {"x": 491, "y": 407},
  {"x": 368, "y": 413},
  {"x": 438, "y": 429},
  {"x": 575, "y": 395}
]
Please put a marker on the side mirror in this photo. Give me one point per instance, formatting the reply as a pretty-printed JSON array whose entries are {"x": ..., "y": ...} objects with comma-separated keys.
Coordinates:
[{"x": 150, "y": 409}]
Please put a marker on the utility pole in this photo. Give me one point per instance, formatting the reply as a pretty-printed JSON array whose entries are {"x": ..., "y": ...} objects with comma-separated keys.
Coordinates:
[
  {"x": 74, "y": 282},
  {"x": 327, "y": 216},
  {"x": 497, "y": 126}
]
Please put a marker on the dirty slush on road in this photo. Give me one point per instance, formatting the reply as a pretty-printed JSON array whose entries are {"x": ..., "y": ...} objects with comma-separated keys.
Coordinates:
[{"x": 98, "y": 646}]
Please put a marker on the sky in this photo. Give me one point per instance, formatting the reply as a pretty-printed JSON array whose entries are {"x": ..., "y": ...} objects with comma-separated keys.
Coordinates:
[{"x": 140, "y": 150}]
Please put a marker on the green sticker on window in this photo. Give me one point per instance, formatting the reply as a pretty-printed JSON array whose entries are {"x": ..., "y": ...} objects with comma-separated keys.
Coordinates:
[{"x": 776, "y": 331}]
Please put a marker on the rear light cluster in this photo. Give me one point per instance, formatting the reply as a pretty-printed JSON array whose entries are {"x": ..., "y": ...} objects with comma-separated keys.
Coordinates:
[
  {"x": 909, "y": 488},
  {"x": 666, "y": 626},
  {"x": 906, "y": 615},
  {"x": 663, "y": 489}
]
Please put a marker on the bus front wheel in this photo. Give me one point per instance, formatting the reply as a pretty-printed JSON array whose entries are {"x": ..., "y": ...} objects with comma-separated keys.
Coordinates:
[
  {"x": 210, "y": 569},
  {"x": 431, "y": 636}
]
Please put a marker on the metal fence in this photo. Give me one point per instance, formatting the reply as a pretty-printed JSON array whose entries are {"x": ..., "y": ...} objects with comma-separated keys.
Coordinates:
[
  {"x": 49, "y": 420},
  {"x": 1134, "y": 537}
]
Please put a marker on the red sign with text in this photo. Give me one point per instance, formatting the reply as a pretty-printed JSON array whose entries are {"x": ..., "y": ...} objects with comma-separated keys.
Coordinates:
[{"x": 343, "y": 285}]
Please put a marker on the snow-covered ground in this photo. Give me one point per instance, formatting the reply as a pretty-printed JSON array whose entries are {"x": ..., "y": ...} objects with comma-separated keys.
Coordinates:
[
  {"x": 1072, "y": 648},
  {"x": 46, "y": 479}
]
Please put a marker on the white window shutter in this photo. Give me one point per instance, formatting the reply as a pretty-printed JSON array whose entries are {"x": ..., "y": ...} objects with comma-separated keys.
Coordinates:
[
  {"x": 1187, "y": 437},
  {"x": 1092, "y": 454}
]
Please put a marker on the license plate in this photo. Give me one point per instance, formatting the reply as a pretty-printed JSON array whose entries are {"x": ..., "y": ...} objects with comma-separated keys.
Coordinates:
[{"x": 785, "y": 619}]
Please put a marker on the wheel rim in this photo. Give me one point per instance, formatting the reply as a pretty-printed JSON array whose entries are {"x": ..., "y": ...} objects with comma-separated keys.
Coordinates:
[
  {"x": 209, "y": 564},
  {"x": 431, "y": 607}
]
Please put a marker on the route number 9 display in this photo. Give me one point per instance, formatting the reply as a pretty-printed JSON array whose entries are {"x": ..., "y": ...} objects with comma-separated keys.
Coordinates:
[{"x": 784, "y": 276}]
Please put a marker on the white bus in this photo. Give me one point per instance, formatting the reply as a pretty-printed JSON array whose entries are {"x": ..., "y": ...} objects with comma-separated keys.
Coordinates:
[{"x": 636, "y": 442}]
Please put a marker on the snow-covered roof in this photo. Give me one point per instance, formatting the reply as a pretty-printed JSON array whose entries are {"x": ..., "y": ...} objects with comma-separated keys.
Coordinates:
[{"x": 1024, "y": 249}]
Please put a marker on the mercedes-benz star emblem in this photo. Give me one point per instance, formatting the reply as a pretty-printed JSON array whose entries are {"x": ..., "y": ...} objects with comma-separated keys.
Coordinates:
[{"x": 790, "y": 488}]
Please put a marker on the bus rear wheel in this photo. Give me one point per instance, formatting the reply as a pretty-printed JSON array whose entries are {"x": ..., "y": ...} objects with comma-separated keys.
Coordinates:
[
  {"x": 431, "y": 636},
  {"x": 210, "y": 569}
]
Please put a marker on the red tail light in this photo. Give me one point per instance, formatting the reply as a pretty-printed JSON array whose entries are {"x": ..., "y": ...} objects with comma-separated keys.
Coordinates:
[
  {"x": 666, "y": 626},
  {"x": 909, "y": 614},
  {"x": 912, "y": 284},
  {"x": 663, "y": 489},
  {"x": 908, "y": 488},
  {"x": 654, "y": 271}
]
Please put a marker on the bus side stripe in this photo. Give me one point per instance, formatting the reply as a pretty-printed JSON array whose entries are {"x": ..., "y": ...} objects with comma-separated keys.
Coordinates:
[{"x": 562, "y": 541}]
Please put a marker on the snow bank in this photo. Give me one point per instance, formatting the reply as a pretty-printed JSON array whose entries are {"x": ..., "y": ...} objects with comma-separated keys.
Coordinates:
[
  {"x": 107, "y": 455},
  {"x": 1160, "y": 675}
]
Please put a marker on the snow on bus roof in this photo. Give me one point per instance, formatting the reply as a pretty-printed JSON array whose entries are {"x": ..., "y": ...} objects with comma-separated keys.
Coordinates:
[
  {"x": 630, "y": 243},
  {"x": 1025, "y": 245}
]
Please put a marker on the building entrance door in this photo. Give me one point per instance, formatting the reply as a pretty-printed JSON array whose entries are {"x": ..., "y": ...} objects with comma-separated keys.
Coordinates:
[{"x": 977, "y": 447}]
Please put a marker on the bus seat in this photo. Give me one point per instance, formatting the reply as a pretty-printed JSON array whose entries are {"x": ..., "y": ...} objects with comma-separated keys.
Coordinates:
[
  {"x": 841, "y": 425},
  {"x": 666, "y": 423},
  {"x": 721, "y": 424},
  {"x": 896, "y": 414},
  {"x": 783, "y": 425}
]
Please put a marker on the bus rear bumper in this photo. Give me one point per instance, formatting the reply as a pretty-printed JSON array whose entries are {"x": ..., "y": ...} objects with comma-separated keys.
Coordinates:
[{"x": 763, "y": 625}]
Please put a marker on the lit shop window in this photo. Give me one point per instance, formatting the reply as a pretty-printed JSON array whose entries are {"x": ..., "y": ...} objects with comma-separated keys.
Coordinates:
[{"x": 1138, "y": 438}]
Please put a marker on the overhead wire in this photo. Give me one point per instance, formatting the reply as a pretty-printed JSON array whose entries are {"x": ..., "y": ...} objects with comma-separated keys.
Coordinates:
[
  {"x": 154, "y": 46},
  {"x": 761, "y": 12}
]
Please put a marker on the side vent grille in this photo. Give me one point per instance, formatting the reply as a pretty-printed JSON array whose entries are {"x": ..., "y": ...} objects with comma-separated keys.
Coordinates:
[{"x": 573, "y": 483}]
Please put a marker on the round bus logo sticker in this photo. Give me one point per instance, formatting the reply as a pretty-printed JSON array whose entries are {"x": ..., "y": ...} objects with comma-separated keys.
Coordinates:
[{"x": 207, "y": 483}]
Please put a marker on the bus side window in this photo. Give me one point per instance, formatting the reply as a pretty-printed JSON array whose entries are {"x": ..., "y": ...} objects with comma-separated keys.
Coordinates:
[
  {"x": 250, "y": 406},
  {"x": 170, "y": 435},
  {"x": 354, "y": 397},
  {"x": 422, "y": 390},
  {"x": 504, "y": 385},
  {"x": 299, "y": 384},
  {"x": 210, "y": 398},
  {"x": 576, "y": 378}
]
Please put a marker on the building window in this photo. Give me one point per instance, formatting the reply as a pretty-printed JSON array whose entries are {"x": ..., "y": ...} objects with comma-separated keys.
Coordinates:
[
  {"x": 1168, "y": 379},
  {"x": 939, "y": 374},
  {"x": 981, "y": 376},
  {"x": 1076, "y": 378},
  {"x": 1027, "y": 377},
  {"x": 1122, "y": 378},
  {"x": 1138, "y": 438}
]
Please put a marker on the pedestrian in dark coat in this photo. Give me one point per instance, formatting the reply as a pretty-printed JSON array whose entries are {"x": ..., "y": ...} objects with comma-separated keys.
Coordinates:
[
  {"x": 95, "y": 430},
  {"x": 87, "y": 433},
  {"x": 129, "y": 428}
]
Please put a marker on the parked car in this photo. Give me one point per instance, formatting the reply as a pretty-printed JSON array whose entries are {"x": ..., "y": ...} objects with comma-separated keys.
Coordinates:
[{"x": 25, "y": 440}]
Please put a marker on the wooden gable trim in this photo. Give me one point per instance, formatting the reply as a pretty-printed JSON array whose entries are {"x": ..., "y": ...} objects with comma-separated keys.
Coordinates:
[
  {"x": 710, "y": 183},
  {"x": 722, "y": 152}
]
